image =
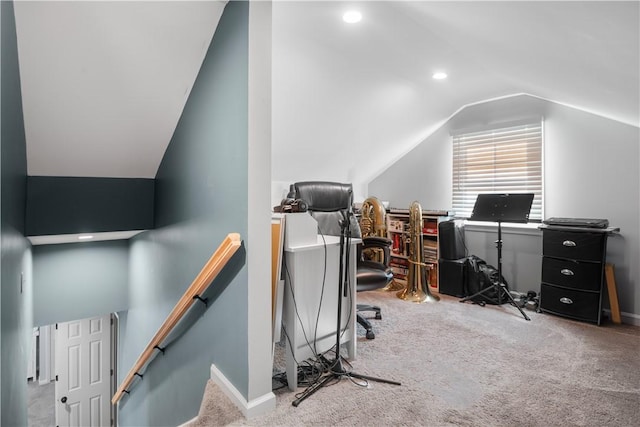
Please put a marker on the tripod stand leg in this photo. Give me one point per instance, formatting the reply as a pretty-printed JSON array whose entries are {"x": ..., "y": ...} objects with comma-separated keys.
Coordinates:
[
  {"x": 336, "y": 372},
  {"x": 312, "y": 389},
  {"x": 514, "y": 303},
  {"x": 366, "y": 377},
  {"x": 498, "y": 288},
  {"x": 470, "y": 297},
  {"x": 339, "y": 370}
]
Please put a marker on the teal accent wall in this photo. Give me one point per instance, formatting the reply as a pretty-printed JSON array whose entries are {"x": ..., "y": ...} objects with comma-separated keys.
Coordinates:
[
  {"x": 201, "y": 196},
  {"x": 84, "y": 279},
  {"x": 70, "y": 205},
  {"x": 15, "y": 296}
]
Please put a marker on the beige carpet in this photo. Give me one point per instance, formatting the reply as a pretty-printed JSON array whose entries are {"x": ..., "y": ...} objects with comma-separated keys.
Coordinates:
[{"x": 466, "y": 365}]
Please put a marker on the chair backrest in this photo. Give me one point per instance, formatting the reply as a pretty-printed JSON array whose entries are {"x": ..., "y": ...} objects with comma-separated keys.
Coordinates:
[{"x": 327, "y": 202}]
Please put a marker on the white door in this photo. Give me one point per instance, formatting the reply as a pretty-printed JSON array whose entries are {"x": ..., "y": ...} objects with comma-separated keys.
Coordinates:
[{"x": 83, "y": 367}]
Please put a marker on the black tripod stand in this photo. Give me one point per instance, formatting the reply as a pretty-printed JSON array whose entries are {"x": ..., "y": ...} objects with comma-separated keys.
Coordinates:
[
  {"x": 335, "y": 369},
  {"x": 501, "y": 208}
]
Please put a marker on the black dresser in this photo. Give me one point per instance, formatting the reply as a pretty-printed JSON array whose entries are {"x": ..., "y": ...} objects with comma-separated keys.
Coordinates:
[{"x": 573, "y": 262}]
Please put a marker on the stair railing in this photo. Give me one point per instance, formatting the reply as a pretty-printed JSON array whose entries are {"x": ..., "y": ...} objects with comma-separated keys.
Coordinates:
[{"x": 202, "y": 281}]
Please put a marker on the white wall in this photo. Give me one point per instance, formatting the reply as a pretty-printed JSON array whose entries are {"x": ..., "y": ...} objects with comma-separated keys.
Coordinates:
[
  {"x": 259, "y": 395},
  {"x": 591, "y": 170}
]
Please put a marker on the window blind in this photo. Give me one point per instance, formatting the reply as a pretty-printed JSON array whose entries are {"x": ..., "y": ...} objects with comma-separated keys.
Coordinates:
[{"x": 506, "y": 160}]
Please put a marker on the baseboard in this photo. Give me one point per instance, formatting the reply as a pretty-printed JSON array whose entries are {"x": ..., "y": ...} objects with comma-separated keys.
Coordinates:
[
  {"x": 192, "y": 420},
  {"x": 626, "y": 318},
  {"x": 262, "y": 405},
  {"x": 630, "y": 318}
]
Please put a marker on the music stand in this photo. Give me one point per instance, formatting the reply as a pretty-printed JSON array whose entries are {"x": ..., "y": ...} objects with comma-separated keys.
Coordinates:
[
  {"x": 336, "y": 370},
  {"x": 501, "y": 208}
]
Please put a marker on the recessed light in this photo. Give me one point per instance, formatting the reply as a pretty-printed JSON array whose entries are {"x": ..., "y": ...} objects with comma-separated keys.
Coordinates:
[
  {"x": 440, "y": 75},
  {"x": 85, "y": 237},
  {"x": 352, "y": 16}
]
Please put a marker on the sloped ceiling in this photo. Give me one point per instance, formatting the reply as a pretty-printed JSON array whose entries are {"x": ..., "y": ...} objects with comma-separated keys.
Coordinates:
[
  {"x": 104, "y": 83},
  {"x": 361, "y": 95}
]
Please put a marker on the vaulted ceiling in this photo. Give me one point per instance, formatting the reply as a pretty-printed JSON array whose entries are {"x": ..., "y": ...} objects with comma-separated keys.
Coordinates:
[
  {"x": 104, "y": 83},
  {"x": 365, "y": 93}
]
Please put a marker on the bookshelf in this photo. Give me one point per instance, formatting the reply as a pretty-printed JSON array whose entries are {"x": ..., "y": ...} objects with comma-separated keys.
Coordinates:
[{"x": 398, "y": 233}]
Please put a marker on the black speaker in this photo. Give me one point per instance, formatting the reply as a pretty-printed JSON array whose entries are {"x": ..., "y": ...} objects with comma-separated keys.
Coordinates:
[
  {"x": 451, "y": 240},
  {"x": 452, "y": 277}
]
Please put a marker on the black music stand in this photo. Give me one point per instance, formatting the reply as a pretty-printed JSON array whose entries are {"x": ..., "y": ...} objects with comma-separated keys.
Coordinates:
[
  {"x": 336, "y": 369},
  {"x": 501, "y": 208}
]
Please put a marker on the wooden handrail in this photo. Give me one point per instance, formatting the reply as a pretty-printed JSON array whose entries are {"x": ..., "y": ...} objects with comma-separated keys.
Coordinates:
[{"x": 210, "y": 270}]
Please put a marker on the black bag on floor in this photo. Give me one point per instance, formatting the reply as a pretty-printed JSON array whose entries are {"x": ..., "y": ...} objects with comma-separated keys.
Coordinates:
[{"x": 480, "y": 276}]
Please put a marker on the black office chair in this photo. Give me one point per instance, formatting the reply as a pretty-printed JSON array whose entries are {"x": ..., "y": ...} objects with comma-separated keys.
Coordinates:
[
  {"x": 373, "y": 265},
  {"x": 328, "y": 203}
]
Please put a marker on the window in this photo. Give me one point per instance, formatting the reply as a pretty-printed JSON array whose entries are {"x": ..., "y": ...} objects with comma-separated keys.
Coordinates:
[{"x": 506, "y": 160}]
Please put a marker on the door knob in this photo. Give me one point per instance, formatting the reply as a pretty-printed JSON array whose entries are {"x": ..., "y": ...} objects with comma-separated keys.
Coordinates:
[{"x": 64, "y": 399}]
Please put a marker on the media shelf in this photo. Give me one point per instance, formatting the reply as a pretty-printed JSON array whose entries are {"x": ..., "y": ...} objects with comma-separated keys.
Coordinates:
[{"x": 398, "y": 233}]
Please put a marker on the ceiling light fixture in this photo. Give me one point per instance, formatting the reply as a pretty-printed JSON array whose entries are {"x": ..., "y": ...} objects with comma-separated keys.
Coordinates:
[
  {"x": 439, "y": 75},
  {"x": 352, "y": 16},
  {"x": 85, "y": 237}
]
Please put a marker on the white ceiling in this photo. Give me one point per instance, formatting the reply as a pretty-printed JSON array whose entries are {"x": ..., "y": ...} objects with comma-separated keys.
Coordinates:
[
  {"x": 364, "y": 92},
  {"x": 104, "y": 83}
]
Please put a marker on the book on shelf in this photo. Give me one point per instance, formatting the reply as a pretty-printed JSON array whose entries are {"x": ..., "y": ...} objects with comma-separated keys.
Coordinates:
[
  {"x": 430, "y": 231},
  {"x": 399, "y": 262},
  {"x": 431, "y": 252},
  {"x": 398, "y": 226}
]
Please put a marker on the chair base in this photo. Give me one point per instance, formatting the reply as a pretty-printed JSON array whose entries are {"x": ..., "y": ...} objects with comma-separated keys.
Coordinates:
[{"x": 365, "y": 322}]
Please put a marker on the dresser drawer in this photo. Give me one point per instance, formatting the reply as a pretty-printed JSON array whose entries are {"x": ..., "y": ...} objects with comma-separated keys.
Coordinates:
[
  {"x": 573, "y": 245},
  {"x": 570, "y": 303},
  {"x": 572, "y": 274}
]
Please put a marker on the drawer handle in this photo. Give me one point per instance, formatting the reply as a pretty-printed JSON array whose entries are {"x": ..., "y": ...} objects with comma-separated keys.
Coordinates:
[
  {"x": 566, "y": 300},
  {"x": 569, "y": 243},
  {"x": 566, "y": 272}
]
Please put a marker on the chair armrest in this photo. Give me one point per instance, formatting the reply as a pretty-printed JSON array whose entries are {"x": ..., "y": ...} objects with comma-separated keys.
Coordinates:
[
  {"x": 380, "y": 243},
  {"x": 375, "y": 242}
]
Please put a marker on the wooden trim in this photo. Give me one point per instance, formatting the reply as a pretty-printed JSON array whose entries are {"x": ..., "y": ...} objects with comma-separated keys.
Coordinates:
[
  {"x": 202, "y": 281},
  {"x": 277, "y": 283},
  {"x": 277, "y": 246},
  {"x": 613, "y": 293}
]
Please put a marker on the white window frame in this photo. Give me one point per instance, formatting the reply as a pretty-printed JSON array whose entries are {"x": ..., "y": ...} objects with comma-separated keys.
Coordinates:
[{"x": 505, "y": 158}]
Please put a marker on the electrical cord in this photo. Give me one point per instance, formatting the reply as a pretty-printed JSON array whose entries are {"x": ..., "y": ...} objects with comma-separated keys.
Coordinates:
[
  {"x": 309, "y": 373},
  {"x": 308, "y": 370},
  {"x": 311, "y": 370},
  {"x": 324, "y": 278},
  {"x": 463, "y": 238},
  {"x": 295, "y": 307}
]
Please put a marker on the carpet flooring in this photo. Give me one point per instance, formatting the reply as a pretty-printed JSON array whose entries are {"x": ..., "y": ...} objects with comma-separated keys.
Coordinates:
[
  {"x": 467, "y": 365},
  {"x": 41, "y": 410}
]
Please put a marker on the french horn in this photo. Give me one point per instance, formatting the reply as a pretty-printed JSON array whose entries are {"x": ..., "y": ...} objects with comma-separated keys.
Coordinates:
[
  {"x": 372, "y": 223},
  {"x": 417, "y": 289},
  {"x": 373, "y": 219}
]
